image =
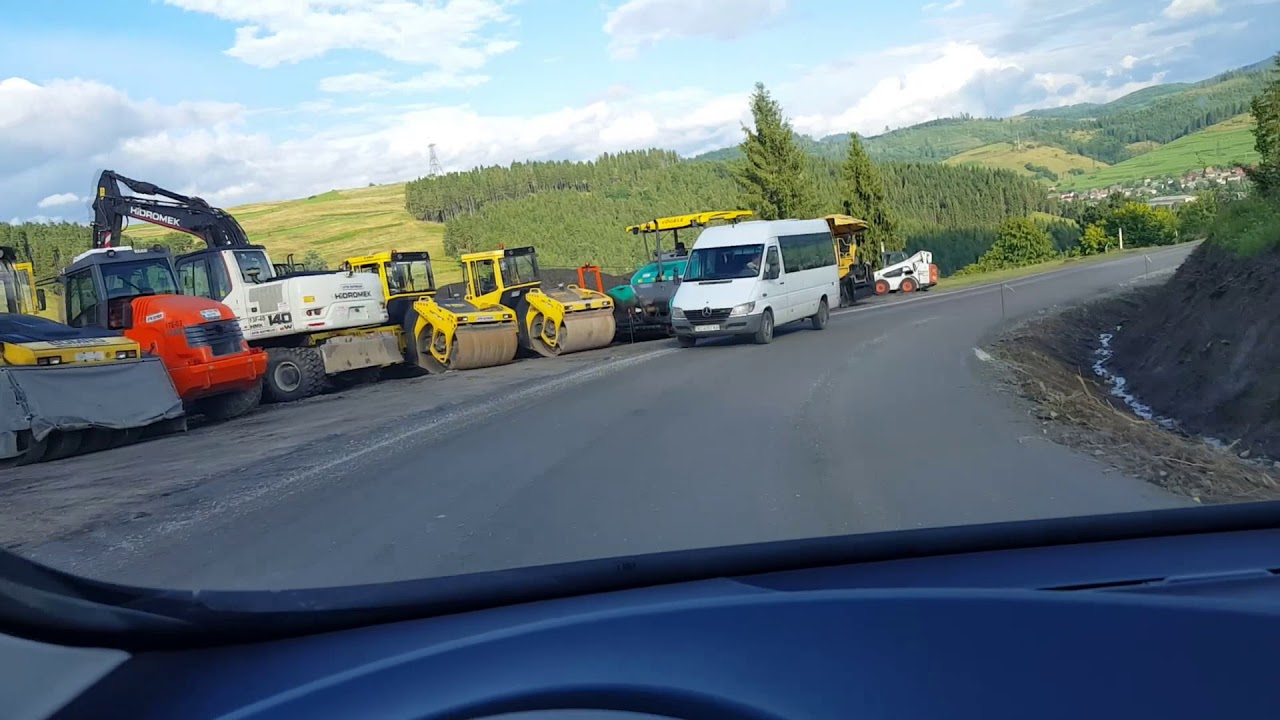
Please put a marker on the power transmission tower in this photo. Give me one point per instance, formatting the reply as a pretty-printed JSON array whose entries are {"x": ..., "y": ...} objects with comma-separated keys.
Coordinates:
[{"x": 433, "y": 168}]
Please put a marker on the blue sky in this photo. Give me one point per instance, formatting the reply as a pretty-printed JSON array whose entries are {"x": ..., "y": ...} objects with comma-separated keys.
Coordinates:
[{"x": 247, "y": 100}]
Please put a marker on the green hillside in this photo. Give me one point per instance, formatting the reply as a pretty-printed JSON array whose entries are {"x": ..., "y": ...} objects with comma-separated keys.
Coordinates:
[
  {"x": 337, "y": 224},
  {"x": 1225, "y": 144},
  {"x": 1030, "y": 159},
  {"x": 1109, "y": 133}
]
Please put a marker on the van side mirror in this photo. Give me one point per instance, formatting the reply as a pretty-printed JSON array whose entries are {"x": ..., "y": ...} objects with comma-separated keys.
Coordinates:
[
  {"x": 253, "y": 273},
  {"x": 41, "y": 304},
  {"x": 772, "y": 272}
]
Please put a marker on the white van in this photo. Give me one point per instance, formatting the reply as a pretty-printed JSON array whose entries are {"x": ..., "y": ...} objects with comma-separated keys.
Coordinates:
[{"x": 748, "y": 278}]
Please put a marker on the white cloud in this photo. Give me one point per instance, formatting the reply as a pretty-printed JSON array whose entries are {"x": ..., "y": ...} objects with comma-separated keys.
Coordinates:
[
  {"x": 639, "y": 24},
  {"x": 378, "y": 83},
  {"x": 57, "y": 199},
  {"x": 1180, "y": 9},
  {"x": 54, "y": 137},
  {"x": 448, "y": 34}
]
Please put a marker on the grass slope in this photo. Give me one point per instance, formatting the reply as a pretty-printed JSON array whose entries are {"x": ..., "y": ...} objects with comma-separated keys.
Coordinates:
[
  {"x": 1005, "y": 155},
  {"x": 338, "y": 224},
  {"x": 1227, "y": 142}
]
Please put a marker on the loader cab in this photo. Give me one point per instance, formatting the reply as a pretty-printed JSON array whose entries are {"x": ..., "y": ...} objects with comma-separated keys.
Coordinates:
[
  {"x": 892, "y": 258},
  {"x": 501, "y": 276},
  {"x": 405, "y": 276},
  {"x": 100, "y": 285}
]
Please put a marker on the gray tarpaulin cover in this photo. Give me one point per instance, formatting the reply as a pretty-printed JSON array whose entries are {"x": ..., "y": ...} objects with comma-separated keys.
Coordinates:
[{"x": 116, "y": 396}]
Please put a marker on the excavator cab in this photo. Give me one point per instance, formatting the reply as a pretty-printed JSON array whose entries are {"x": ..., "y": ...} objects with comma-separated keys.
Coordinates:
[{"x": 552, "y": 322}]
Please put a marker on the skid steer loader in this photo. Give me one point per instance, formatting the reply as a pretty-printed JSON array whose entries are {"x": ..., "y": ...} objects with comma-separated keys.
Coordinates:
[
  {"x": 438, "y": 334},
  {"x": 558, "y": 321},
  {"x": 65, "y": 390}
]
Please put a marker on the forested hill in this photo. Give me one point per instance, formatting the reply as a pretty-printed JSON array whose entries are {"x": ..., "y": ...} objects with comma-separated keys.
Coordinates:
[
  {"x": 576, "y": 212},
  {"x": 1109, "y": 132}
]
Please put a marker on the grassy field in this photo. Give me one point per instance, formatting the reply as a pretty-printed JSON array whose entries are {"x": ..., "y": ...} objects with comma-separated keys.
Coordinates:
[
  {"x": 1005, "y": 155},
  {"x": 338, "y": 224},
  {"x": 1222, "y": 144}
]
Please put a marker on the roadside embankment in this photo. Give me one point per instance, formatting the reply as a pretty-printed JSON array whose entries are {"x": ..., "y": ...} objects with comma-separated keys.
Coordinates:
[{"x": 1198, "y": 354}]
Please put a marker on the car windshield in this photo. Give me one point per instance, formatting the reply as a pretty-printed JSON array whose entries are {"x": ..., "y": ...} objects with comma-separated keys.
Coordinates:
[
  {"x": 1057, "y": 301},
  {"x": 724, "y": 263}
]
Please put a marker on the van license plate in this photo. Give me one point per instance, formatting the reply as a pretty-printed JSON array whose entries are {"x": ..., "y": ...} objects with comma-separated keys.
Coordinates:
[{"x": 705, "y": 328}]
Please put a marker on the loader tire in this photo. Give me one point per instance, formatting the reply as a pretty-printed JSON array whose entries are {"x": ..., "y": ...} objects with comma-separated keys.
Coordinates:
[
  {"x": 230, "y": 405},
  {"x": 908, "y": 285},
  {"x": 293, "y": 374}
]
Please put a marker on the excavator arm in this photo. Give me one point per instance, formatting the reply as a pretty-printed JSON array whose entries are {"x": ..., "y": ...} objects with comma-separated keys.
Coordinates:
[{"x": 188, "y": 214}]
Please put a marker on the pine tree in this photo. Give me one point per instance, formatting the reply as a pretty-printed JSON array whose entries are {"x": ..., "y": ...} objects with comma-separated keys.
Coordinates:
[
  {"x": 774, "y": 177},
  {"x": 1266, "y": 110},
  {"x": 864, "y": 198}
]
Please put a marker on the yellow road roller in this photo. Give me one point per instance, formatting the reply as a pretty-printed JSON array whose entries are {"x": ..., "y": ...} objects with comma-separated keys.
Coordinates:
[
  {"x": 553, "y": 321},
  {"x": 438, "y": 334}
]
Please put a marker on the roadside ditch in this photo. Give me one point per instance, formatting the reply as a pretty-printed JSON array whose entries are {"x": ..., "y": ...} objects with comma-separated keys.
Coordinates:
[{"x": 1175, "y": 382}]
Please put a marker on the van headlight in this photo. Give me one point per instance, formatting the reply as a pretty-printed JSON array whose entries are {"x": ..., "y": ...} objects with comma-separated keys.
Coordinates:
[
  {"x": 677, "y": 312},
  {"x": 743, "y": 309}
]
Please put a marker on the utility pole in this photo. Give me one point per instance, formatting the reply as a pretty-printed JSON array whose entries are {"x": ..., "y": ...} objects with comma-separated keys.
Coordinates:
[{"x": 433, "y": 163}]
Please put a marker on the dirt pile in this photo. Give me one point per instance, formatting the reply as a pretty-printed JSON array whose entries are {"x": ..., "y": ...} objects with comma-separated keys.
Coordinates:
[
  {"x": 1204, "y": 349},
  {"x": 1049, "y": 360},
  {"x": 550, "y": 278}
]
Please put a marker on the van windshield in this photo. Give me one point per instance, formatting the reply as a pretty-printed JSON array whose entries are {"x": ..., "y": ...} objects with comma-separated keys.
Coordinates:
[{"x": 725, "y": 263}]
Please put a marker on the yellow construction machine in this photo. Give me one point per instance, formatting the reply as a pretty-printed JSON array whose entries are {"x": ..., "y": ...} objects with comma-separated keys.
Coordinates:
[
  {"x": 438, "y": 334},
  {"x": 848, "y": 233},
  {"x": 556, "y": 321},
  {"x": 66, "y": 390}
]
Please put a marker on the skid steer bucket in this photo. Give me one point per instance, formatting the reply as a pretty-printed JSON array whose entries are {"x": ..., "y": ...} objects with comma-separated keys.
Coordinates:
[{"x": 48, "y": 413}]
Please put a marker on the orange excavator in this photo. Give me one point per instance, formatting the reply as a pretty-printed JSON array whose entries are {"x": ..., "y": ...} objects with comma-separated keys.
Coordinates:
[{"x": 135, "y": 292}]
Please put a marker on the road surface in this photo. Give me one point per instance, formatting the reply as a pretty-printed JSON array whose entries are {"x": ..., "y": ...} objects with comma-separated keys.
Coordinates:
[{"x": 885, "y": 420}]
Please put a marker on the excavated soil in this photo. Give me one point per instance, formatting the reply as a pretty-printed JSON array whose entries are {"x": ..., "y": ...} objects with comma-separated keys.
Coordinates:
[
  {"x": 1196, "y": 349},
  {"x": 550, "y": 278},
  {"x": 1206, "y": 349}
]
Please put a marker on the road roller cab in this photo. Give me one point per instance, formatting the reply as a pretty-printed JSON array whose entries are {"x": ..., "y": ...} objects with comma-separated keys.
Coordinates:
[
  {"x": 552, "y": 322},
  {"x": 438, "y": 334},
  {"x": 134, "y": 292}
]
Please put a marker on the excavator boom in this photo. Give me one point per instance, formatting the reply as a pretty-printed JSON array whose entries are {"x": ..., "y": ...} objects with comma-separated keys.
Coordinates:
[{"x": 184, "y": 213}]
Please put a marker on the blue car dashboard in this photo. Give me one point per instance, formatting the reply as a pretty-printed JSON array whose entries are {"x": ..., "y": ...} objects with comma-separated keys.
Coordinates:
[{"x": 1178, "y": 625}]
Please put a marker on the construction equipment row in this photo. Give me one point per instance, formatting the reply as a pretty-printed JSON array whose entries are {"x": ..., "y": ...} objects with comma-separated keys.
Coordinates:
[{"x": 145, "y": 339}]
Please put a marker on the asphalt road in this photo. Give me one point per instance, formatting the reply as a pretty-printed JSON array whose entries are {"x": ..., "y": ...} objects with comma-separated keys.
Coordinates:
[{"x": 885, "y": 420}]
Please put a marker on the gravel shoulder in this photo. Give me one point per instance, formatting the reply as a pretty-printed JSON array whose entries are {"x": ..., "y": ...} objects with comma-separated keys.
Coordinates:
[{"x": 51, "y": 501}]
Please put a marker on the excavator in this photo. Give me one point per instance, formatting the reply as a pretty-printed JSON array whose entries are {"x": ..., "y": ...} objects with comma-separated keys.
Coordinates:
[
  {"x": 551, "y": 322},
  {"x": 319, "y": 329},
  {"x": 438, "y": 334},
  {"x": 642, "y": 308},
  {"x": 849, "y": 233},
  {"x": 68, "y": 390}
]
